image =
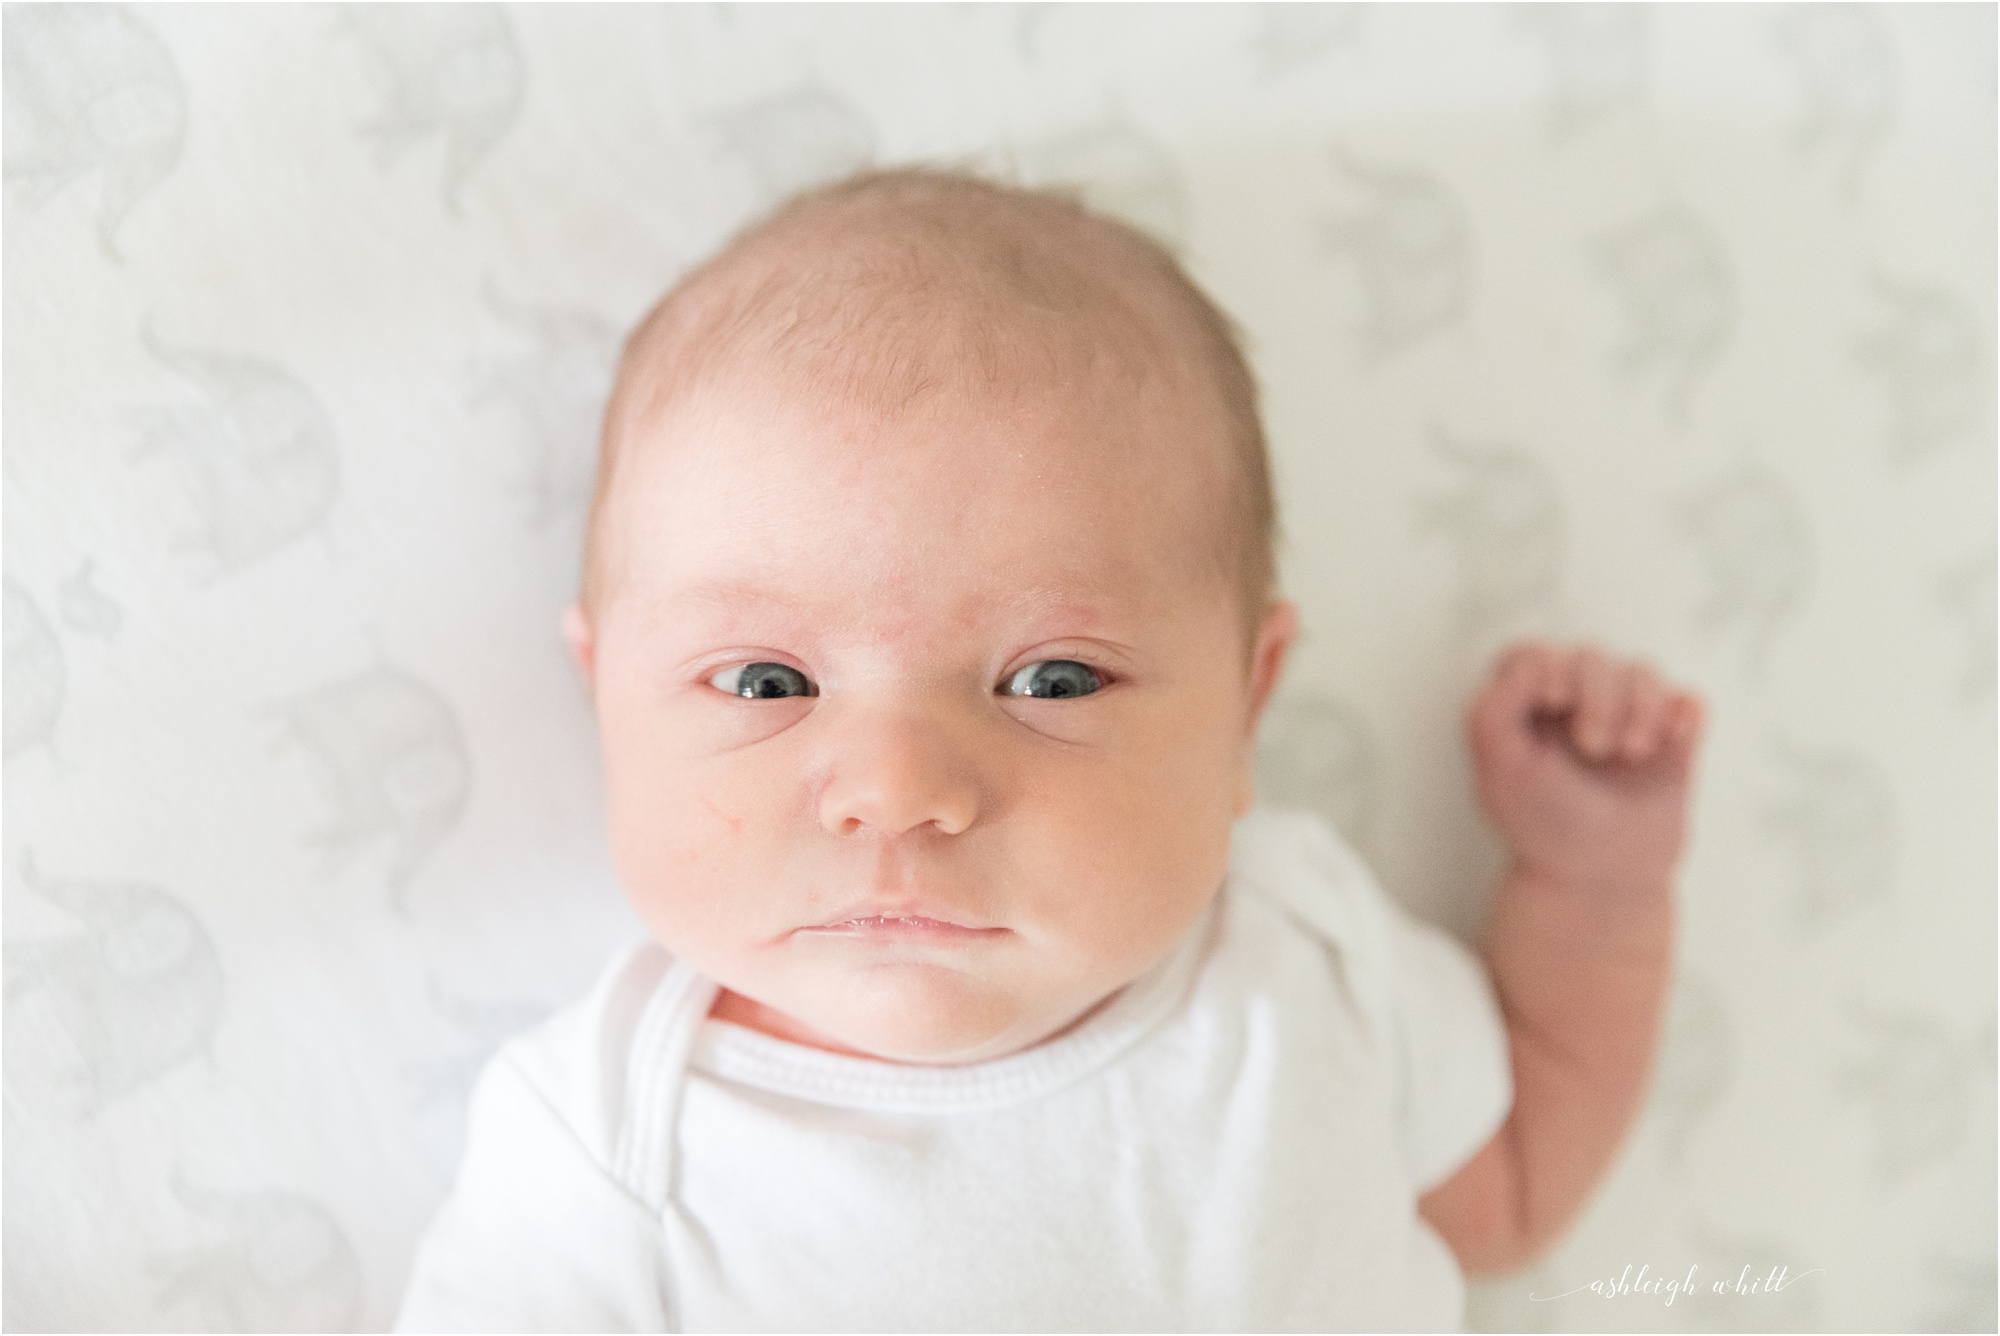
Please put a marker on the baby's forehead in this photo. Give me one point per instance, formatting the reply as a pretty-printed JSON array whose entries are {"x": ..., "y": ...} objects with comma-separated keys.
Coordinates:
[
  {"x": 913, "y": 293},
  {"x": 879, "y": 559},
  {"x": 1108, "y": 491}
]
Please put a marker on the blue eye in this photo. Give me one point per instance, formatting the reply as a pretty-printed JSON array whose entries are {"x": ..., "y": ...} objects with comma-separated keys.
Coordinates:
[
  {"x": 1054, "y": 679},
  {"x": 763, "y": 681}
]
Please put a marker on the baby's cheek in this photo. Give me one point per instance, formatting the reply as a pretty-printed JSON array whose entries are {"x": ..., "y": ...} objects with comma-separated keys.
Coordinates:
[
  {"x": 682, "y": 865},
  {"x": 1173, "y": 820},
  {"x": 671, "y": 826},
  {"x": 714, "y": 829},
  {"x": 1127, "y": 860}
]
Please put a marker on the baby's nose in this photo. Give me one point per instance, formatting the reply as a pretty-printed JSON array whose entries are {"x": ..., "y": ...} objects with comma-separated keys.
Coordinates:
[{"x": 896, "y": 773}]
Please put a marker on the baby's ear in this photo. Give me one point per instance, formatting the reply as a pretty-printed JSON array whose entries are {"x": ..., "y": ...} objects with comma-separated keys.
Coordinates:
[
  {"x": 582, "y": 644},
  {"x": 1267, "y": 657},
  {"x": 1267, "y": 660}
]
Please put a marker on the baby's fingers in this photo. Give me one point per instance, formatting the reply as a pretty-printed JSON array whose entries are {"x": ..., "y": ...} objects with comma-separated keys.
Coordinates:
[
  {"x": 1683, "y": 730},
  {"x": 1514, "y": 692},
  {"x": 1648, "y": 716},
  {"x": 1556, "y": 684},
  {"x": 1603, "y": 704}
]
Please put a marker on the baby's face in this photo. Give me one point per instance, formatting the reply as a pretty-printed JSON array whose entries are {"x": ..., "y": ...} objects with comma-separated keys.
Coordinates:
[{"x": 924, "y": 734}]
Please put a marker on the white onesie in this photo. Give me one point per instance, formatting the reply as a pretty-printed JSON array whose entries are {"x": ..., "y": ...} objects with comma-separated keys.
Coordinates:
[{"x": 1235, "y": 1142}]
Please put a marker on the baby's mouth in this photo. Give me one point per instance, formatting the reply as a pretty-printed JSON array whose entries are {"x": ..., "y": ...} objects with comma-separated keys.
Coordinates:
[{"x": 894, "y": 924}]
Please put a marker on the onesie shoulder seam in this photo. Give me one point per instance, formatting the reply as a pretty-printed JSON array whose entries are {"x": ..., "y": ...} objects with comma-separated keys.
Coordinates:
[
  {"x": 655, "y": 1222},
  {"x": 554, "y": 1110}
]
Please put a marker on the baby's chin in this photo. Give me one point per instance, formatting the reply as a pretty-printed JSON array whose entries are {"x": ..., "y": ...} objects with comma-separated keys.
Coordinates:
[{"x": 926, "y": 1014}]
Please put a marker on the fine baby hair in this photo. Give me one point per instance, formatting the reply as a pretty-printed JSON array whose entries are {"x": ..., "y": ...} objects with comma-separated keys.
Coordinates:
[{"x": 896, "y": 283}]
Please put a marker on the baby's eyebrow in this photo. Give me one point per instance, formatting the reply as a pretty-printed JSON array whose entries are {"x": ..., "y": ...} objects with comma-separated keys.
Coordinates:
[
  {"x": 1049, "y": 610},
  {"x": 725, "y": 593},
  {"x": 714, "y": 600}
]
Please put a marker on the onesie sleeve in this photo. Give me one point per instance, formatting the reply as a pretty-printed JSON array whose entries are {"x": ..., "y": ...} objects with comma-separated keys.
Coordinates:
[
  {"x": 536, "y": 1235},
  {"x": 1457, "y": 1072},
  {"x": 1423, "y": 992}
]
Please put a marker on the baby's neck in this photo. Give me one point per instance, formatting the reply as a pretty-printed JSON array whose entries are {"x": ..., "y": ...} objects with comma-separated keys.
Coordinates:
[{"x": 752, "y": 1015}]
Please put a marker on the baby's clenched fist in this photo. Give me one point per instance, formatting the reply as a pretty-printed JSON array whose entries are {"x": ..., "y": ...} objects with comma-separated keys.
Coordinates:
[{"x": 1582, "y": 762}]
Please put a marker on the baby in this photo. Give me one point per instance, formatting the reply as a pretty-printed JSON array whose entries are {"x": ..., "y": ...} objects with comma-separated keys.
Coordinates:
[{"x": 928, "y": 612}]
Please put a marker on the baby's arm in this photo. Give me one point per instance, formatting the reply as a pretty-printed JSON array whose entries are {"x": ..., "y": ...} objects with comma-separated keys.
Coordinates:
[{"x": 1582, "y": 764}]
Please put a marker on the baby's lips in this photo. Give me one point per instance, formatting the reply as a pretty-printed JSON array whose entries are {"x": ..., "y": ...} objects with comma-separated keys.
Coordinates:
[{"x": 920, "y": 919}]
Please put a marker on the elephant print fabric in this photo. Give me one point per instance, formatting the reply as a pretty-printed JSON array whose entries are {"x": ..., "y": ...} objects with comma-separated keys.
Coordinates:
[
  {"x": 35, "y": 675},
  {"x": 1319, "y": 753},
  {"x": 1409, "y": 243},
  {"x": 1291, "y": 39},
  {"x": 1917, "y": 1084},
  {"x": 1837, "y": 815},
  {"x": 1597, "y": 59},
  {"x": 90, "y": 92},
  {"x": 134, "y": 992},
  {"x": 1696, "y": 1062},
  {"x": 390, "y": 757},
  {"x": 1504, "y": 523},
  {"x": 86, "y": 608},
  {"x": 255, "y": 453},
  {"x": 1673, "y": 279},
  {"x": 1933, "y": 361},
  {"x": 1117, "y": 170},
  {"x": 1668, "y": 327},
  {"x": 276, "y": 1261},
  {"x": 795, "y": 139},
  {"x": 1848, "y": 86},
  {"x": 449, "y": 72},
  {"x": 556, "y": 392},
  {"x": 1756, "y": 555}
]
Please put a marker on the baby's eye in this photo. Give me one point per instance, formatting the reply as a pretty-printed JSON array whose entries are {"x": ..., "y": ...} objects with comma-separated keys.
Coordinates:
[
  {"x": 1054, "y": 679},
  {"x": 763, "y": 681}
]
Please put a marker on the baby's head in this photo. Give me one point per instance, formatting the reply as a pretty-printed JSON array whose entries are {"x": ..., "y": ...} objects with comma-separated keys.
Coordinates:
[{"x": 928, "y": 613}]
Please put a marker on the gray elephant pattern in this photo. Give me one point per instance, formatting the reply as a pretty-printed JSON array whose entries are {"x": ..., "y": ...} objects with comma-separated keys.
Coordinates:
[{"x": 1665, "y": 327}]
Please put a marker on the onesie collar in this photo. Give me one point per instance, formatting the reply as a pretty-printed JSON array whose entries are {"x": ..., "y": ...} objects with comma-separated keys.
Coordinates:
[{"x": 734, "y": 1053}]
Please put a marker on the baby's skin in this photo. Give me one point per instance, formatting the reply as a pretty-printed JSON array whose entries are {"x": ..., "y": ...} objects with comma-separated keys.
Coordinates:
[
  {"x": 1582, "y": 763},
  {"x": 924, "y": 731}
]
